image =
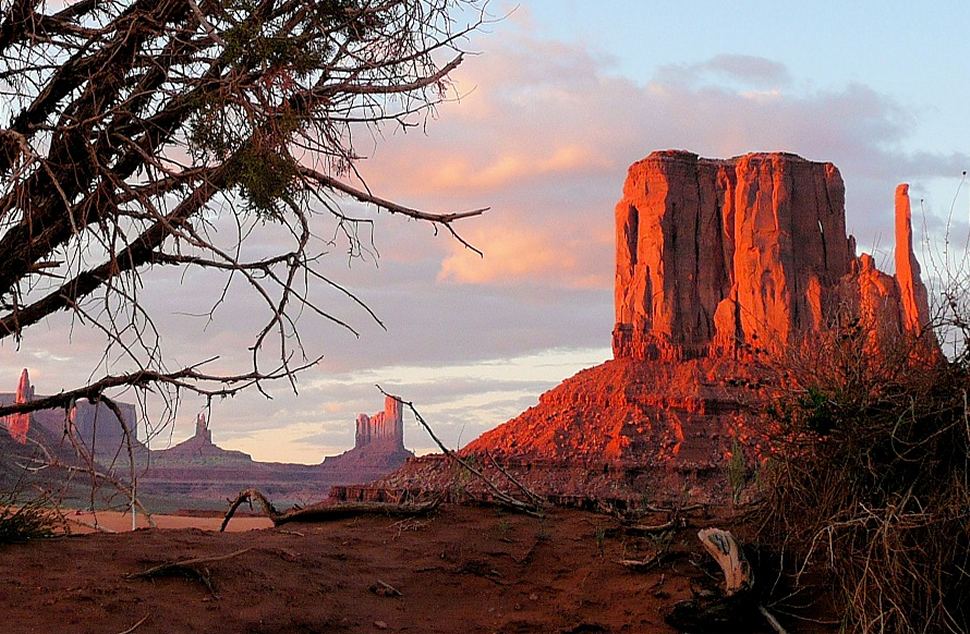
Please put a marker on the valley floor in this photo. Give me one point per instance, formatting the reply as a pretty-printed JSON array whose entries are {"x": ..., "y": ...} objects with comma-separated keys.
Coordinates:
[{"x": 465, "y": 569}]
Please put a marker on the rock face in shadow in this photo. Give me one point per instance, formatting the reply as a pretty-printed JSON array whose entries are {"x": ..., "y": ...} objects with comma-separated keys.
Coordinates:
[
  {"x": 379, "y": 441},
  {"x": 714, "y": 255}
]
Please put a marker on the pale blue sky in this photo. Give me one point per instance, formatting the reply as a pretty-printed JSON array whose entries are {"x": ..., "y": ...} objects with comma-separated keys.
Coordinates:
[{"x": 919, "y": 53}]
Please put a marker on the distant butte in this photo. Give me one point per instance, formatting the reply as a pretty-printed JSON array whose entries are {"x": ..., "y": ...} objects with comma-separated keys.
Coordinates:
[
  {"x": 720, "y": 264},
  {"x": 196, "y": 470}
]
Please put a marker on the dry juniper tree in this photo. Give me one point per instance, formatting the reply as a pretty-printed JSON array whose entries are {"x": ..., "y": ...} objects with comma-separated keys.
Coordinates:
[{"x": 146, "y": 134}]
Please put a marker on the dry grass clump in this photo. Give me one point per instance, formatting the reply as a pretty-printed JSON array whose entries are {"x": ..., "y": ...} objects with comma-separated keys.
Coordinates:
[
  {"x": 23, "y": 520},
  {"x": 872, "y": 490}
]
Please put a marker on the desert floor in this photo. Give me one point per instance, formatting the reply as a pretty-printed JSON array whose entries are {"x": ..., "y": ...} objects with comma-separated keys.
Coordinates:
[{"x": 465, "y": 569}]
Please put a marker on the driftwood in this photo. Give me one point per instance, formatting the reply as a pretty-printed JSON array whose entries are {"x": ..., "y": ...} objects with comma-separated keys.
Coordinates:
[
  {"x": 725, "y": 550},
  {"x": 324, "y": 512},
  {"x": 738, "y": 606}
]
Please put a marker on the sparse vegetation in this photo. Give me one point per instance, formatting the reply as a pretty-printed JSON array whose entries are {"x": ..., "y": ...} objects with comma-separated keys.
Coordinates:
[
  {"x": 873, "y": 488},
  {"x": 23, "y": 520}
]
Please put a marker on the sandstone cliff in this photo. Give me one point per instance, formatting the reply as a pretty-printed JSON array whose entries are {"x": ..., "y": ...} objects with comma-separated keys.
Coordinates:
[
  {"x": 379, "y": 441},
  {"x": 717, "y": 255}
]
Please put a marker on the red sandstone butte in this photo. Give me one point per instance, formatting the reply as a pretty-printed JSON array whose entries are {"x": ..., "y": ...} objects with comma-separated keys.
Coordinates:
[
  {"x": 715, "y": 259},
  {"x": 716, "y": 254}
]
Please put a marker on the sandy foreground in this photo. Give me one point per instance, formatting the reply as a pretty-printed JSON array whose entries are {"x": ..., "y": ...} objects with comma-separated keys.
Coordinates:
[{"x": 463, "y": 569}]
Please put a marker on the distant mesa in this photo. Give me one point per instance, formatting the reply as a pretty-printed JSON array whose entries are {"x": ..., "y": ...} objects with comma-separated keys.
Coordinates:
[
  {"x": 379, "y": 441},
  {"x": 719, "y": 264},
  {"x": 199, "y": 448},
  {"x": 197, "y": 468}
]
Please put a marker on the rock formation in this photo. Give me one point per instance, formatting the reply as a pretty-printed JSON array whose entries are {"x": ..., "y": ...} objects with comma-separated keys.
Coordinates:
[
  {"x": 379, "y": 442},
  {"x": 19, "y": 424},
  {"x": 386, "y": 427},
  {"x": 200, "y": 470},
  {"x": 716, "y": 255},
  {"x": 92, "y": 425},
  {"x": 913, "y": 296},
  {"x": 720, "y": 264}
]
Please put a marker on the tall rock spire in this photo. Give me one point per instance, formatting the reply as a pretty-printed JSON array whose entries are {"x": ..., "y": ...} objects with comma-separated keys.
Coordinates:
[
  {"x": 914, "y": 305},
  {"x": 19, "y": 424}
]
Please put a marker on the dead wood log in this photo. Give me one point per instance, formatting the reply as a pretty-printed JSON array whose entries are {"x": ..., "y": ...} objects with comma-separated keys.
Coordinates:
[
  {"x": 325, "y": 512},
  {"x": 722, "y": 546}
]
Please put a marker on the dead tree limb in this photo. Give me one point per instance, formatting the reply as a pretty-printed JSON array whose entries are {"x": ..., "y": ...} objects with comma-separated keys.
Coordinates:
[
  {"x": 325, "y": 512},
  {"x": 189, "y": 568},
  {"x": 501, "y": 497},
  {"x": 521, "y": 487}
]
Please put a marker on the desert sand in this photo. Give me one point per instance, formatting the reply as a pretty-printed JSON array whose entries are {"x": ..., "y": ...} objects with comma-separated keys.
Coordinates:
[{"x": 465, "y": 569}]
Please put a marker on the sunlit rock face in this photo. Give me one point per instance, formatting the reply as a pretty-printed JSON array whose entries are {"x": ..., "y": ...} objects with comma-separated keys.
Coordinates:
[
  {"x": 19, "y": 424},
  {"x": 713, "y": 255}
]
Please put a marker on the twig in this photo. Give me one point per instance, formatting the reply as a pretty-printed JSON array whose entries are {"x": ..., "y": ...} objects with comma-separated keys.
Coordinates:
[
  {"x": 384, "y": 589},
  {"x": 529, "y": 492},
  {"x": 187, "y": 567},
  {"x": 674, "y": 522},
  {"x": 772, "y": 621},
  {"x": 501, "y": 496},
  {"x": 136, "y": 625},
  {"x": 170, "y": 566}
]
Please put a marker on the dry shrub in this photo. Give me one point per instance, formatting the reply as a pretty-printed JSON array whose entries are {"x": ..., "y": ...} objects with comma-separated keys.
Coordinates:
[
  {"x": 23, "y": 520},
  {"x": 871, "y": 488}
]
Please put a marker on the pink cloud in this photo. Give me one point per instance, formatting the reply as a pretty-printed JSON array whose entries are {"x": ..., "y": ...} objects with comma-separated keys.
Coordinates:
[{"x": 521, "y": 253}]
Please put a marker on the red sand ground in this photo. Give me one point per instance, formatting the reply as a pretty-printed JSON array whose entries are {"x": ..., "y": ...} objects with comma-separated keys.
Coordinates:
[{"x": 463, "y": 570}]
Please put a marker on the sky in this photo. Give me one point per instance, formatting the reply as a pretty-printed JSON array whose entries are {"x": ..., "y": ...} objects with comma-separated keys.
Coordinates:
[{"x": 558, "y": 99}]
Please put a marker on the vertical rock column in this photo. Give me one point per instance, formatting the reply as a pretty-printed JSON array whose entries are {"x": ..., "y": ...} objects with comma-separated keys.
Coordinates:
[
  {"x": 914, "y": 305},
  {"x": 19, "y": 424}
]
